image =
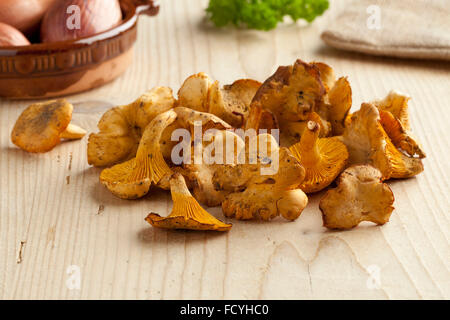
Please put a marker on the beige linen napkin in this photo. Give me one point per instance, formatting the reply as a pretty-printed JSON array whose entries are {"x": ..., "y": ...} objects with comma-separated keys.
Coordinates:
[{"x": 400, "y": 28}]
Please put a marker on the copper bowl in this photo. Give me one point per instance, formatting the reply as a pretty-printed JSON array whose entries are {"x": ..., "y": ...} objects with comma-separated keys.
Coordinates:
[{"x": 67, "y": 67}]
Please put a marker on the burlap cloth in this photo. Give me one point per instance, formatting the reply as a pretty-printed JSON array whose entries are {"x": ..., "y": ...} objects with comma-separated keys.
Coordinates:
[{"x": 400, "y": 28}]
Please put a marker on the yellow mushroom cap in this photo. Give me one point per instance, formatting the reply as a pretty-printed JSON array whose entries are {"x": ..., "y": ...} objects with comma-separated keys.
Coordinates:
[
  {"x": 118, "y": 180},
  {"x": 232, "y": 102},
  {"x": 368, "y": 143},
  {"x": 41, "y": 126},
  {"x": 337, "y": 102},
  {"x": 322, "y": 158},
  {"x": 394, "y": 118},
  {"x": 290, "y": 94},
  {"x": 326, "y": 75},
  {"x": 399, "y": 136},
  {"x": 133, "y": 178},
  {"x": 340, "y": 102},
  {"x": 401, "y": 166},
  {"x": 121, "y": 128},
  {"x": 187, "y": 212},
  {"x": 397, "y": 104},
  {"x": 194, "y": 92}
]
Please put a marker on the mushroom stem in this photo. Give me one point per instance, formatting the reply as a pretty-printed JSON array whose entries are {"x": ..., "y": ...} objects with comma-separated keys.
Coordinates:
[
  {"x": 150, "y": 162},
  {"x": 73, "y": 132},
  {"x": 187, "y": 212},
  {"x": 308, "y": 146},
  {"x": 186, "y": 206}
]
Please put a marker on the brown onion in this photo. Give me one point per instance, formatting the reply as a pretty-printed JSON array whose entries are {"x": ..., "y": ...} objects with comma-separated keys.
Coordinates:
[
  {"x": 95, "y": 16},
  {"x": 10, "y": 36},
  {"x": 24, "y": 15}
]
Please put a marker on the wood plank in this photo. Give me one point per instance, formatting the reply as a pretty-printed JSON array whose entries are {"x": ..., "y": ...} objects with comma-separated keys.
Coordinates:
[{"x": 54, "y": 213}]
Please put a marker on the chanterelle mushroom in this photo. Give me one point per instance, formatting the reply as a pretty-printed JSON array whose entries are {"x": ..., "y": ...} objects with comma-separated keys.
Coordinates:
[
  {"x": 338, "y": 105},
  {"x": 359, "y": 196},
  {"x": 337, "y": 102},
  {"x": 121, "y": 128},
  {"x": 395, "y": 121},
  {"x": 222, "y": 147},
  {"x": 397, "y": 104},
  {"x": 291, "y": 132},
  {"x": 186, "y": 212},
  {"x": 194, "y": 92},
  {"x": 322, "y": 158},
  {"x": 133, "y": 178},
  {"x": 259, "y": 195},
  {"x": 286, "y": 101},
  {"x": 326, "y": 75},
  {"x": 400, "y": 137},
  {"x": 230, "y": 103},
  {"x": 41, "y": 126},
  {"x": 291, "y": 93},
  {"x": 368, "y": 143}
]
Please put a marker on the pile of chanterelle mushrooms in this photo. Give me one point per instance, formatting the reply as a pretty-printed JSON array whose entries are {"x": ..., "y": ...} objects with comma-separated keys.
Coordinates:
[{"x": 251, "y": 172}]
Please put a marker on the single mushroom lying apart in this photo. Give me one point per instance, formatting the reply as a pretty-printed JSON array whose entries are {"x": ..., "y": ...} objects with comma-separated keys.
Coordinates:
[
  {"x": 265, "y": 189},
  {"x": 133, "y": 178},
  {"x": 187, "y": 212},
  {"x": 121, "y": 128},
  {"x": 322, "y": 158},
  {"x": 359, "y": 196},
  {"x": 41, "y": 126}
]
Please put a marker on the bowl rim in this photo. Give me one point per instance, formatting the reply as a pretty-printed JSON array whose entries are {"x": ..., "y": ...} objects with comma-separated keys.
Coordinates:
[{"x": 131, "y": 9}]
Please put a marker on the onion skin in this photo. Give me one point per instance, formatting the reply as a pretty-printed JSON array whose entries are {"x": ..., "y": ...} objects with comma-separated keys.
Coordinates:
[
  {"x": 96, "y": 16},
  {"x": 10, "y": 36},
  {"x": 24, "y": 15}
]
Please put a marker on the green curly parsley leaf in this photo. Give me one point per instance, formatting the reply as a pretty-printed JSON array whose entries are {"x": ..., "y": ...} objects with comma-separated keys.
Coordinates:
[{"x": 263, "y": 14}]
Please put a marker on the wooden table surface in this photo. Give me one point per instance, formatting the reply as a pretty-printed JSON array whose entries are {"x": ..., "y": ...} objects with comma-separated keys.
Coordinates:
[{"x": 57, "y": 221}]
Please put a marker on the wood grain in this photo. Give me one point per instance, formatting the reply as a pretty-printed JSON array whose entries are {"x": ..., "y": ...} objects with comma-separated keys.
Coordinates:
[{"x": 54, "y": 213}]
